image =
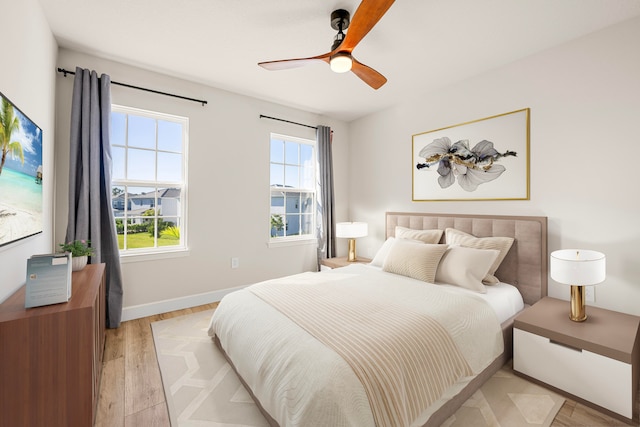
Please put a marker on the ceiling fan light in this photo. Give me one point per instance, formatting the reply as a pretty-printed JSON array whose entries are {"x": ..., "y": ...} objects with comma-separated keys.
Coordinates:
[{"x": 341, "y": 63}]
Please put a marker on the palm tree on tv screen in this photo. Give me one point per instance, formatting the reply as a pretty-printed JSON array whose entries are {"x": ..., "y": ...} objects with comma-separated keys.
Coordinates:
[{"x": 9, "y": 123}]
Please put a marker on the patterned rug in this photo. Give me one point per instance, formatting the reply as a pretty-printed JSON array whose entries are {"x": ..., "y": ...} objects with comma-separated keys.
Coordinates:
[{"x": 202, "y": 389}]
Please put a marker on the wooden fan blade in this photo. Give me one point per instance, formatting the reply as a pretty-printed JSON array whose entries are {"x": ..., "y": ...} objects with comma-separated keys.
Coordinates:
[
  {"x": 285, "y": 64},
  {"x": 368, "y": 74},
  {"x": 367, "y": 15}
]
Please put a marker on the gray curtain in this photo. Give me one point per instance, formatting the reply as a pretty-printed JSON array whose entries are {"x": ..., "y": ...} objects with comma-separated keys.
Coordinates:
[
  {"x": 90, "y": 212},
  {"x": 326, "y": 227}
]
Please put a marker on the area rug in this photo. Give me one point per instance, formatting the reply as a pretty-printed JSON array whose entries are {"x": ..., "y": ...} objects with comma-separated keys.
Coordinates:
[{"x": 201, "y": 388}]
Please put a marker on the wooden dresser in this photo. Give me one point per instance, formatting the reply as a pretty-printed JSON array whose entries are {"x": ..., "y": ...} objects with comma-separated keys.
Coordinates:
[{"x": 51, "y": 356}]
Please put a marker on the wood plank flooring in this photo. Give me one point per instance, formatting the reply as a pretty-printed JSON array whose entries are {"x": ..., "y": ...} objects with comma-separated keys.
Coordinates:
[{"x": 131, "y": 393}]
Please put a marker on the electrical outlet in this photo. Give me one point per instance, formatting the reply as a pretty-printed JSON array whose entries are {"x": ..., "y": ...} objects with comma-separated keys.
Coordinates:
[
  {"x": 590, "y": 293},
  {"x": 235, "y": 262}
]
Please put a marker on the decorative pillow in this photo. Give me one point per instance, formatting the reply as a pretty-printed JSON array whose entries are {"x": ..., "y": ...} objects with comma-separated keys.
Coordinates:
[
  {"x": 502, "y": 244},
  {"x": 382, "y": 253},
  {"x": 414, "y": 259},
  {"x": 466, "y": 267},
  {"x": 426, "y": 236}
]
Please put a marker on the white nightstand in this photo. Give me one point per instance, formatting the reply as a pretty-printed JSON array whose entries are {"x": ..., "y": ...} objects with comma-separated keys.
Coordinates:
[{"x": 596, "y": 361}]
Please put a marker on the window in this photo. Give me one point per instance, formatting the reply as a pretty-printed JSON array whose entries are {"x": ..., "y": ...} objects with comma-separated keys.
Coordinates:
[
  {"x": 148, "y": 184},
  {"x": 293, "y": 184}
]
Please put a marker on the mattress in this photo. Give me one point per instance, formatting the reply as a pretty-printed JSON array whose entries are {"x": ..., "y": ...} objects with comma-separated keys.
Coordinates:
[{"x": 254, "y": 334}]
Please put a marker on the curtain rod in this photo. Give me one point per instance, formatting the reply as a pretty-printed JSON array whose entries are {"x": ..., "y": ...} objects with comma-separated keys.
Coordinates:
[
  {"x": 203, "y": 102},
  {"x": 287, "y": 121}
]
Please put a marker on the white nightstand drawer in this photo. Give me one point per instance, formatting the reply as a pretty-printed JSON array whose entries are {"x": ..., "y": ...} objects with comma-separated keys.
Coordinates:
[{"x": 604, "y": 381}]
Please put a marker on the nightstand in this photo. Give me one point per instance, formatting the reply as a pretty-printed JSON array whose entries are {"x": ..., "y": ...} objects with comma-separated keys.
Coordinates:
[
  {"x": 342, "y": 262},
  {"x": 596, "y": 361}
]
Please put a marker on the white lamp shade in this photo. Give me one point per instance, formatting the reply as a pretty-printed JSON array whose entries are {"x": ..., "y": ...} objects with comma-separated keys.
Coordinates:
[
  {"x": 351, "y": 230},
  {"x": 578, "y": 267}
]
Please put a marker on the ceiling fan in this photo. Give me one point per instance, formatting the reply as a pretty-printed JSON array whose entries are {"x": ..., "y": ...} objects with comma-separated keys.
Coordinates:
[{"x": 340, "y": 59}]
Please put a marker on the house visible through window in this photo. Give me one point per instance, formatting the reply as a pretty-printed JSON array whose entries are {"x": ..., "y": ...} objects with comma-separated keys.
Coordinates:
[
  {"x": 293, "y": 183},
  {"x": 149, "y": 180}
]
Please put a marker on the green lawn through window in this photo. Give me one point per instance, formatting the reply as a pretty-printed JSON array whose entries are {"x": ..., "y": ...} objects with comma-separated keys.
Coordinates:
[{"x": 144, "y": 240}]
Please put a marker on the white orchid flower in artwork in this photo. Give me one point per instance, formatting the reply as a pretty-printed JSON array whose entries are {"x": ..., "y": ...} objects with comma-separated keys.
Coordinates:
[{"x": 471, "y": 167}]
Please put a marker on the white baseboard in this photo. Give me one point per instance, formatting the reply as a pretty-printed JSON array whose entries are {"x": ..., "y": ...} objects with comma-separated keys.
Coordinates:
[{"x": 144, "y": 310}]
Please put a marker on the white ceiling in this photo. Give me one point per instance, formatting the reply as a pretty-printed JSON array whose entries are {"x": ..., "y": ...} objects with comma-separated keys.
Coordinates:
[{"x": 419, "y": 45}]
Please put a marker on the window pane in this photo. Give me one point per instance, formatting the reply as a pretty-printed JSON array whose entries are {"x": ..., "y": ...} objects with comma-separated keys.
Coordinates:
[
  {"x": 307, "y": 202},
  {"x": 118, "y": 128},
  {"x": 140, "y": 232},
  {"x": 277, "y": 202},
  {"x": 169, "y": 167},
  {"x": 169, "y": 136},
  {"x": 292, "y": 176},
  {"x": 120, "y": 230},
  {"x": 141, "y": 165},
  {"x": 141, "y": 201},
  {"x": 307, "y": 224},
  {"x": 277, "y": 175},
  {"x": 117, "y": 155},
  {"x": 169, "y": 231},
  {"x": 118, "y": 200},
  {"x": 277, "y": 151},
  {"x": 142, "y": 132},
  {"x": 306, "y": 154},
  {"x": 169, "y": 202},
  {"x": 277, "y": 225},
  {"x": 292, "y": 203},
  {"x": 293, "y": 225},
  {"x": 308, "y": 178},
  {"x": 291, "y": 153}
]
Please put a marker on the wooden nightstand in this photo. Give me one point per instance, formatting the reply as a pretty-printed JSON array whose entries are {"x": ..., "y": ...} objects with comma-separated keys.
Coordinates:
[
  {"x": 342, "y": 262},
  {"x": 596, "y": 361}
]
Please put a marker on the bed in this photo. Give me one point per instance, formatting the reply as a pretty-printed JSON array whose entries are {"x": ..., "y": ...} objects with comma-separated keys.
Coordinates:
[{"x": 377, "y": 344}]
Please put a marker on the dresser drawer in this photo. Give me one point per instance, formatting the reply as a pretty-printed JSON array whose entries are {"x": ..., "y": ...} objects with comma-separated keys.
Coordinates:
[{"x": 604, "y": 381}]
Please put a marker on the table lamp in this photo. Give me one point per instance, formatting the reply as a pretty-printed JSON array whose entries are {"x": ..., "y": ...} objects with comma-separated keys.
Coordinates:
[
  {"x": 351, "y": 231},
  {"x": 578, "y": 268}
]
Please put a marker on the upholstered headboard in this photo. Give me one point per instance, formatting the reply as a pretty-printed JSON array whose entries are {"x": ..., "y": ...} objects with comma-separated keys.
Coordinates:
[{"x": 525, "y": 266}]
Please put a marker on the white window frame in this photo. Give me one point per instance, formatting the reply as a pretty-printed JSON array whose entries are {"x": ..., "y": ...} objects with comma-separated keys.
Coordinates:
[
  {"x": 306, "y": 239},
  {"x": 142, "y": 254}
]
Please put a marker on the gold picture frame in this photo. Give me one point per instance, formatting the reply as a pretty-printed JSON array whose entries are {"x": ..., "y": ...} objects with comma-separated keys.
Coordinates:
[{"x": 484, "y": 159}]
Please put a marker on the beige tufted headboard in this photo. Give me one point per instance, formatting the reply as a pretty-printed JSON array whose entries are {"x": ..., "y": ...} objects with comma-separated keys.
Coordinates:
[{"x": 525, "y": 266}]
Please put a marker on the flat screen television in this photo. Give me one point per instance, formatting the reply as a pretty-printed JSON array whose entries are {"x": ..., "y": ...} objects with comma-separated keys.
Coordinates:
[{"x": 21, "y": 174}]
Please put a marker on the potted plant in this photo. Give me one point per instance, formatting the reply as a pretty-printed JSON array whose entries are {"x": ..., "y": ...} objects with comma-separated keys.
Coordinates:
[{"x": 80, "y": 250}]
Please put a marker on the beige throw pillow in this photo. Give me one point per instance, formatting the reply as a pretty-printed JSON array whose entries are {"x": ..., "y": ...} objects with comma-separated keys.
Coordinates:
[
  {"x": 466, "y": 267},
  {"x": 426, "y": 236},
  {"x": 414, "y": 259},
  {"x": 502, "y": 244}
]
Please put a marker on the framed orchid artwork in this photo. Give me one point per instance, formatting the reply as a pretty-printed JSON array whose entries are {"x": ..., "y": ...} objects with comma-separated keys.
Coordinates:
[{"x": 485, "y": 159}]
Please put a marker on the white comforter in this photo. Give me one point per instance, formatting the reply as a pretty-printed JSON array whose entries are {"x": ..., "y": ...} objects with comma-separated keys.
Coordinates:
[{"x": 300, "y": 382}]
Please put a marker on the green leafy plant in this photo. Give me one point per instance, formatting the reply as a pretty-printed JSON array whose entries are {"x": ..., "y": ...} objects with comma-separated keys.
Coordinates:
[
  {"x": 171, "y": 231},
  {"x": 78, "y": 248},
  {"x": 277, "y": 224}
]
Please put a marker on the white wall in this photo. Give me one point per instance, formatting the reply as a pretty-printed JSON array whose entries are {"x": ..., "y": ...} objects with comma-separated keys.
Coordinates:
[
  {"x": 228, "y": 187},
  {"x": 27, "y": 78},
  {"x": 585, "y": 109}
]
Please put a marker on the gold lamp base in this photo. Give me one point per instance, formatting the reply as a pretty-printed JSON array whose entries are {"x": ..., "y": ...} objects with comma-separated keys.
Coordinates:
[
  {"x": 352, "y": 251},
  {"x": 578, "y": 309}
]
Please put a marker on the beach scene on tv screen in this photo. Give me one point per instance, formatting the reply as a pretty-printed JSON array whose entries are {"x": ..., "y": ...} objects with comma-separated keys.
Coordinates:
[{"x": 21, "y": 174}]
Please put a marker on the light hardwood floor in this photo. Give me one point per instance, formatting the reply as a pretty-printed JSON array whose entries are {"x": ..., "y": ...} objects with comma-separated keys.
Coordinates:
[{"x": 131, "y": 393}]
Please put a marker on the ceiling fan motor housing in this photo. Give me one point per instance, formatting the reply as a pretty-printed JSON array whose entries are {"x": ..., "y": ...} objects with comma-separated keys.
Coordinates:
[
  {"x": 339, "y": 21},
  {"x": 338, "y": 16}
]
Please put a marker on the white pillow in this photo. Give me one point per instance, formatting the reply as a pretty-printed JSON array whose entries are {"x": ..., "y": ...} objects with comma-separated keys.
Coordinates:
[
  {"x": 382, "y": 253},
  {"x": 466, "y": 267},
  {"x": 502, "y": 244},
  {"x": 426, "y": 236},
  {"x": 414, "y": 259}
]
